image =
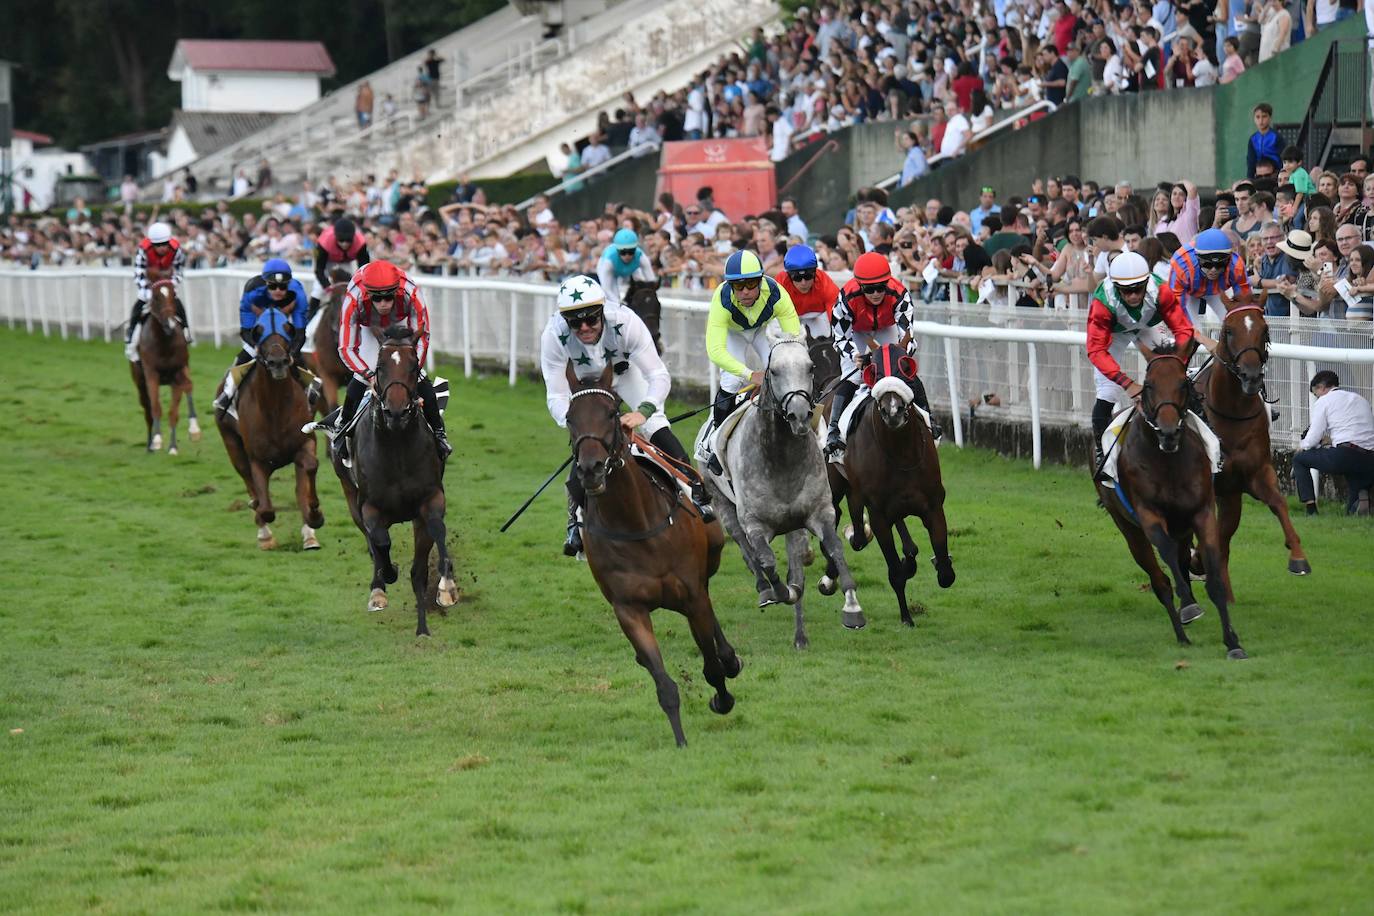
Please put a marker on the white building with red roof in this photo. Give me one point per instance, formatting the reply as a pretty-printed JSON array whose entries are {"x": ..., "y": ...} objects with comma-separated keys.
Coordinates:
[{"x": 241, "y": 76}]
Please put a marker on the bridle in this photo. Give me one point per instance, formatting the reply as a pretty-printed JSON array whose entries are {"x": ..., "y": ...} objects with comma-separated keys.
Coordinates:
[
  {"x": 770, "y": 402},
  {"x": 615, "y": 446},
  {"x": 1151, "y": 411},
  {"x": 410, "y": 390},
  {"x": 1230, "y": 359}
]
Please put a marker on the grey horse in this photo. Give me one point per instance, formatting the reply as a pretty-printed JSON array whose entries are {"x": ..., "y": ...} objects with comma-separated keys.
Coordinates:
[{"x": 775, "y": 465}]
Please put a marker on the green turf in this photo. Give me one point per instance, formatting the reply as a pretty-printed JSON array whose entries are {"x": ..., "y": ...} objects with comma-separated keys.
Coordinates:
[{"x": 205, "y": 727}]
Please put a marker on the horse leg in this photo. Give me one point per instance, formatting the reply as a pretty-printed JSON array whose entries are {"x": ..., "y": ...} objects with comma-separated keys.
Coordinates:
[
  {"x": 731, "y": 661},
  {"x": 238, "y": 457},
  {"x": 1266, "y": 490},
  {"x": 192, "y": 424},
  {"x": 306, "y": 496},
  {"x": 823, "y": 526},
  {"x": 896, "y": 573},
  {"x": 797, "y": 545},
  {"x": 419, "y": 573},
  {"x": 1205, "y": 524},
  {"x": 1144, "y": 557},
  {"x": 729, "y": 520},
  {"x": 938, "y": 531},
  {"x": 909, "y": 549},
  {"x": 263, "y": 512},
  {"x": 1228, "y": 520},
  {"x": 379, "y": 545},
  {"x": 1188, "y": 608},
  {"x": 777, "y": 591},
  {"x": 702, "y": 619},
  {"x": 141, "y": 386},
  {"x": 433, "y": 514},
  {"x": 173, "y": 415},
  {"x": 859, "y": 530},
  {"x": 639, "y": 630},
  {"x": 150, "y": 381},
  {"x": 1153, "y": 527}
]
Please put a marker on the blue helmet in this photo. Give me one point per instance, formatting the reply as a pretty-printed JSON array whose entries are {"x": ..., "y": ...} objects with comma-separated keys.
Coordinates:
[
  {"x": 625, "y": 239},
  {"x": 276, "y": 271},
  {"x": 1212, "y": 241},
  {"x": 799, "y": 257},
  {"x": 743, "y": 265}
]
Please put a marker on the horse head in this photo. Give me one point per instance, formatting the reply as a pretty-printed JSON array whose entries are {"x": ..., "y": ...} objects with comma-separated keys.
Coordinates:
[
  {"x": 889, "y": 376},
  {"x": 1164, "y": 398},
  {"x": 594, "y": 429},
  {"x": 398, "y": 376},
  {"x": 787, "y": 382},
  {"x": 271, "y": 336},
  {"x": 1243, "y": 344},
  {"x": 162, "y": 304}
]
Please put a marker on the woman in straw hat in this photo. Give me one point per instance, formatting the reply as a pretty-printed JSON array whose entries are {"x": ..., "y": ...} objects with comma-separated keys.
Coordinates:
[{"x": 1318, "y": 260}]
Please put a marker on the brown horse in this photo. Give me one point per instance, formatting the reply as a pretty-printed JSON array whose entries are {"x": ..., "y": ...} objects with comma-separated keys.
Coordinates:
[
  {"x": 646, "y": 547},
  {"x": 397, "y": 477},
  {"x": 1165, "y": 498},
  {"x": 1237, "y": 411},
  {"x": 642, "y": 299},
  {"x": 272, "y": 408},
  {"x": 163, "y": 359},
  {"x": 325, "y": 361},
  {"x": 891, "y": 470}
]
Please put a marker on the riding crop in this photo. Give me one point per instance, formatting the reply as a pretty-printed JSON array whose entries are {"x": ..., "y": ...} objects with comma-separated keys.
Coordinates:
[{"x": 542, "y": 487}]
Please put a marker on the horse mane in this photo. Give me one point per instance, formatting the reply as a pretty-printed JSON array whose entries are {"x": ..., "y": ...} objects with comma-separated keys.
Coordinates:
[{"x": 398, "y": 333}]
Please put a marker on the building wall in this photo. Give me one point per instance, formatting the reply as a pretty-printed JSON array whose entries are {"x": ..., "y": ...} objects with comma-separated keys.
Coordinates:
[
  {"x": 38, "y": 171},
  {"x": 247, "y": 91}
]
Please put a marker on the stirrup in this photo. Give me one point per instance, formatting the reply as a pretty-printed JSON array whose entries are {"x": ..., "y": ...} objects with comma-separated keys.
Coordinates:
[
  {"x": 714, "y": 466},
  {"x": 834, "y": 445},
  {"x": 572, "y": 544},
  {"x": 442, "y": 444},
  {"x": 702, "y": 500}
]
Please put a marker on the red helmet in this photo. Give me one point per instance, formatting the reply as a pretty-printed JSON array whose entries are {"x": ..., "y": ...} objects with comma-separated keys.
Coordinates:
[
  {"x": 872, "y": 268},
  {"x": 380, "y": 276}
]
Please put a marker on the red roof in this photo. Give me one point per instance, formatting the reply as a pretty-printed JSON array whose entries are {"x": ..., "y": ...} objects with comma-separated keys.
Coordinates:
[
  {"x": 291, "y": 56},
  {"x": 36, "y": 139}
]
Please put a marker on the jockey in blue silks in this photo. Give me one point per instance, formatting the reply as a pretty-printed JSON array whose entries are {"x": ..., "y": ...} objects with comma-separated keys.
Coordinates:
[
  {"x": 623, "y": 261},
  {"x": 274, "y": 288}
]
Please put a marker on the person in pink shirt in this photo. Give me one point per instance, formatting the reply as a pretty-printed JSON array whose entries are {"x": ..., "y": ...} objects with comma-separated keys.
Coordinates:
[
  {"x": 1184, "y": 202},
  {"x": 1232, "y": 66}
]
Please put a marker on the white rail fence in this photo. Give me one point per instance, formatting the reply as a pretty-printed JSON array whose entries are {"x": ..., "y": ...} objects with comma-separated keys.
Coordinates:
[{"x": 1032, "y": 359}]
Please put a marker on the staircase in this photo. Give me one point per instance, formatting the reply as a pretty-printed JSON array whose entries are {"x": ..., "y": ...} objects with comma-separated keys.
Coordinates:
[{"x": 1337, "y": 126}]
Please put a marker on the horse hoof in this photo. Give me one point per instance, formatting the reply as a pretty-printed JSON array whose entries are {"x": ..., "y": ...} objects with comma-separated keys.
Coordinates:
[
  {"x": 1237, "y": 654},
  {"x": 1190, "y": 613},
  {"x": 172, "y": 450},
  {"x": 422, "y": 632},
  {"x": 156, "y": 446},
  {"x": 801, "y": 642},
  {"x": 722, "y": 703},
  {"x": 794, "y": 594},
  {"x": 447, "y": 595},
  {"x": 909, "y": 567},
  {"x": 944, "y": 574},
  {"x": 739, "y": 666},
  {"x": 853, "y": 620},
  {"x": 308, "y": 539},
  {"x": 377, "y": 600},
  {"x": 194, "y": 429},
  {"x": 907, "y": 621},
  {"x": 827, "y": 586},
  {"x": 1300, "y": 567}
]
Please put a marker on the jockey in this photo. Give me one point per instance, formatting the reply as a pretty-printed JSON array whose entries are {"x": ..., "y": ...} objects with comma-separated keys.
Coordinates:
[
  {"x": 873, "y": 308},
  {"x": 380, "y": 295},
  {"x": 162, "y": 253},
  {"x": 590, "y": 332},
  {"x": 736, "y": 325},
  {"x": 1130, "y": 303},
  {"x": 1204, "y": 269},
  {"x": 621, "y": 262},
  {"x": 274, "y": 288},
  {"x": 339, "y": 245},
  {"x": 812, "y": 291}
]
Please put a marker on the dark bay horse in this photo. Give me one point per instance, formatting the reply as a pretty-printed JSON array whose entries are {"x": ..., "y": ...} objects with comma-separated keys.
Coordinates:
[
  {"x": 325, "y": 361},
  {"x": 891, "y": 470},
  {"x": 397, "y": 477},
  {"x": 1165, "y": 476},
  {"x": 1236, "y": 409},
  {"x": 647, "y": 548},
  {"x": 272, "y": 408},
  {"x": 642, "y": 299},
  {"x": 163, "y": 359}
]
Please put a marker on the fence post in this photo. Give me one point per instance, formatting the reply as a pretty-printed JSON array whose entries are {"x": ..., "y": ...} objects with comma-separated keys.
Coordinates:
[
  {"x": 105, "y": 317},
  {"x": 514, "y": 328},
  {"x": 62, "y": 310},
  {"x": 85, "y": 307},
  {"x": 953, "y": 392},
  {"x": 1033, "y": 379},
  {"x": 467, "y": 335}
]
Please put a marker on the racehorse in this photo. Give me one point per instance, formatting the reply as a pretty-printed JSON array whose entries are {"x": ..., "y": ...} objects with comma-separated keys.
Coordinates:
[
  {"x": 163, "y": 360},
  {"x": 647, "y": 548},
  {"x": 397, "y": 477},
  {"x": 267, "y": 435},
  {"x": 1236, "y": 409},
  {"x": 642, "y": 298},
  {"x": 1164, "y": 497},
  {"x": 775, "y": 468},
  {"x": 891, "y": 470},
  {"x": 825, "y": 363},
  {"x": 325, "y": 361}
]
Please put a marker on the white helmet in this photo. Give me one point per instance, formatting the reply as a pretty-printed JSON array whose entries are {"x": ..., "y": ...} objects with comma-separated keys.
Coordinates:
[
  {"x": 1128, "y": 269},
  {"x": 159, "y": 233},
  {"x": 578, "y": 293}
]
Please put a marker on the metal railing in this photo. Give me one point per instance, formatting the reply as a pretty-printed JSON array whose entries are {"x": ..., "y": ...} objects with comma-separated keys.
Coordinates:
[
  {"x": 1340, "y": 98},
  {"x": 575, "y": 182},
  {"x": 990, "y": 130},
  {"x": 1034, "y": 359}
]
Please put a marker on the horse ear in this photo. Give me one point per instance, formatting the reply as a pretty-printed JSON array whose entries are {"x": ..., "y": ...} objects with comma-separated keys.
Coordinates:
[
  {"x": 573, "y": 381},
  {"x": 607, "y": 376},
  {"x": 773, "y": 333},
  {"x": 256, "y": 334}
]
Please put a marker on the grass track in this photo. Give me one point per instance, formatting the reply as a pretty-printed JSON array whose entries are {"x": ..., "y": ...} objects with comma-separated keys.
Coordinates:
[{"x": 208, "y": 728}]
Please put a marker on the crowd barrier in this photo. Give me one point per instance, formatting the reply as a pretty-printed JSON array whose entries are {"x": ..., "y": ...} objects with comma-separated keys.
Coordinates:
[{"x": 1032, "y": 359}]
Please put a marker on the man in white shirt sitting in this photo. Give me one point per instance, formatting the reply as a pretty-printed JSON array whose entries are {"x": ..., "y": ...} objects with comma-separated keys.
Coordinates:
[
  {"x": 957, "y": 131},
  {"x": 1348, "y": 421}
]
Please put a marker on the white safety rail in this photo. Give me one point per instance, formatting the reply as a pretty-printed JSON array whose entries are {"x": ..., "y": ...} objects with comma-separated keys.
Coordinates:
[{"x": 1033, "y": 359}]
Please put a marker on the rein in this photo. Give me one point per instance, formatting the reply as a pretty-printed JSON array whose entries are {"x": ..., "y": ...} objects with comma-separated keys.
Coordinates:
[
  {"x": 772, "y": 403},
  {"x": 1231, "y": 361}
]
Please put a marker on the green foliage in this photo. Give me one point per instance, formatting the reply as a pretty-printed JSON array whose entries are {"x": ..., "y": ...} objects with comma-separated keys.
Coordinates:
[
  {"x": 190, "y": 725},
  {"x": 509, "y": 190},
  {"x": 238, "y": 207}
]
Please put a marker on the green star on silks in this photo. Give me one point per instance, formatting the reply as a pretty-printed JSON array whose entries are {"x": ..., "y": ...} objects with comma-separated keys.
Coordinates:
[
  {"x": 563, "y": 339},
  {"x": 583, "y": 360},
  {"x": 576, "y": 295},
  {"x": 610, "y": 355},
  {"x": 618, "y": 331}
]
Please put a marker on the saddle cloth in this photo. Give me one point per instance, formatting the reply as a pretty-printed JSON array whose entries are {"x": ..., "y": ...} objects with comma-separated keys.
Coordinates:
[
  {"x": 1117, "y": 429},
  {"x": 710, "y": 439},
  {"x": 852, "y": 412},
  {"x": 239, "y": 373}
]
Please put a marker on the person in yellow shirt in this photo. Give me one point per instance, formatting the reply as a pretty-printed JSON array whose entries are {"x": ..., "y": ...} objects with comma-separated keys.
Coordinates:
[{"x": 736, "y": 325}]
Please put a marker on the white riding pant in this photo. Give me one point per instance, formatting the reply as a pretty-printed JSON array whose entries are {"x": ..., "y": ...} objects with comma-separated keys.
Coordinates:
[
  {"x": 740, "y": 345},
  {"x": 1215, "y": 309},
  {"x": 633, "y": 389},
  {"x": 1108, "y": 390},
  {"x": 862, "y": 339},
  {"x": 817, "y": 323}
]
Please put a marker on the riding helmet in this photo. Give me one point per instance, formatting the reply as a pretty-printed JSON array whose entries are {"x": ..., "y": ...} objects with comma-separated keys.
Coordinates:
[
  {"x": 380, "y": 276},
  {"x": 276, "y": 271},
  {"x": 743, "y": 265},
  {"x": 344, "y": 230},
  {"x": 159, "y": 233},
  {"x": 580, "y": 293},
  {"x": 872, "y": 268},
  {"x": 1212, "y": 241},
  {"x": 799, "y": 257},
  {"x": 625, "y": 240},
  {"x": 1128, "y": 269}
]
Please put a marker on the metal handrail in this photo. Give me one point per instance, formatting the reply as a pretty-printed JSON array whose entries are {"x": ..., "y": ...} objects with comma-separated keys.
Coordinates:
[
  {"x": 562, "y": 186},
  {"x": 981, "y": 135}
]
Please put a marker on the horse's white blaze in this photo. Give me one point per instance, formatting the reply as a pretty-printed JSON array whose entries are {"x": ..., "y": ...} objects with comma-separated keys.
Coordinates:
[
  {"x": 308, "y": 539},
  {"x": 396, "y": 357},
  {"x": 1249, "y": 323}
]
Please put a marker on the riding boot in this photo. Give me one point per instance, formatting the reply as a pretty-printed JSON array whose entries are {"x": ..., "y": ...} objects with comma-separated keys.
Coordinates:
[
  {"x": 135, "y": 317},
  {"x": 310, "y": 312},
  {"x": 667, "y": 442},
  {"x": 918, "y": 390},
  {"x": 185, "y": 322},
  {"x": 436, "y": 421},
  {"x": 724, "y": 406},
  {"x": 834, "y": 442},
  {"x": 1102, "y": 418},
  {"x": 572, "y": 544},
  {"x": 352, "y": 397}
]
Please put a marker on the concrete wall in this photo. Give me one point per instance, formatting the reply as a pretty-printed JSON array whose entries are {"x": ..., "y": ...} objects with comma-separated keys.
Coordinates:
[
  {"x": 243, "y": 91},
  {"x": 632, "y": 182},
  {"x": 1148, "y": 138}
]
